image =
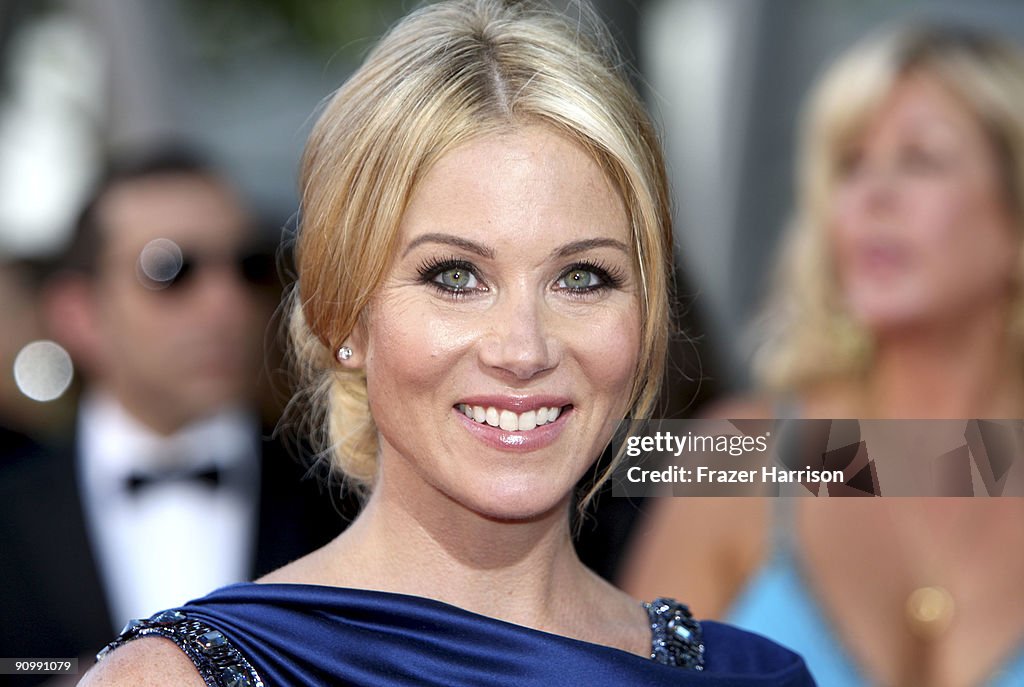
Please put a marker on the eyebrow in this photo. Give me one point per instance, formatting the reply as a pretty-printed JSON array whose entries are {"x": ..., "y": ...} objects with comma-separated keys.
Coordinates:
[
  {"x": 584, "y": 245},
  {"x": 565, "y": 251},
  {"x": 457, "y": 241}
]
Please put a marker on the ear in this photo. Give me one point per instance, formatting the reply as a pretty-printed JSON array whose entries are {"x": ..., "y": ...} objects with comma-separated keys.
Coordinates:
[
  {"x": 357, "y": 341},
  {"x": 351, "y": 355},
  {"x": 70, "y": 316}
]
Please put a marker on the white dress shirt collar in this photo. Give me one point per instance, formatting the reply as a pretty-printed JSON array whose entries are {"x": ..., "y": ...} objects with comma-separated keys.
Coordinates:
[{"x": 163, "y": 545}]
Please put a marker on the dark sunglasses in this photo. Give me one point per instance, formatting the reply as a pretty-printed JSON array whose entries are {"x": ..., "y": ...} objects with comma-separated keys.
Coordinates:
[{"x": 162, "y": 266}]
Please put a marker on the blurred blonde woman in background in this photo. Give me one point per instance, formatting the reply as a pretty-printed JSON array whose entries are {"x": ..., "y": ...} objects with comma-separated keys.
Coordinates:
[{"x": 900, "y": 295}]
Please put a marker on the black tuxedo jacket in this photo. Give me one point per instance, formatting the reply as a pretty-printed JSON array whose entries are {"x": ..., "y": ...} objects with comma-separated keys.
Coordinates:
[{"x": 52, "y": 600}]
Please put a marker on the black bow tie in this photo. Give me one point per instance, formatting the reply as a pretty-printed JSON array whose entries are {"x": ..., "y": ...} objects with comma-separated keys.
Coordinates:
[{"x": 210, "y": 475}]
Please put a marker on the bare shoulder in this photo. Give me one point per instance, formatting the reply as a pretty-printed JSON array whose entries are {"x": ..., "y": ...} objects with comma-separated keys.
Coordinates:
[
  {"x": 702, "y": 550},
  {"x": 696, "y": 549},
  {"x": 144, "y": 662}
]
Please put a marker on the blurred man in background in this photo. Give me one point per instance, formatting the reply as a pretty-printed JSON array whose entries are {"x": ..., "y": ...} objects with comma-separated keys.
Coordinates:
[{"x": 167, "y": 490}]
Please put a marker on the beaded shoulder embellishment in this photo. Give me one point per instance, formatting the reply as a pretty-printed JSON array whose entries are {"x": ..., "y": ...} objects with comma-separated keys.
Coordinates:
[
  {"x": 677, "y": 639},
  {"x": 219, "y": 663}
]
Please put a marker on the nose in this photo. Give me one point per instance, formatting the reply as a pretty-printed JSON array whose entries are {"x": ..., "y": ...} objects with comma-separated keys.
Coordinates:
[
  {"x": 519, "y": 342},
  {"x": 222, "y": 297},
  {"x": 878, "y": 188}
]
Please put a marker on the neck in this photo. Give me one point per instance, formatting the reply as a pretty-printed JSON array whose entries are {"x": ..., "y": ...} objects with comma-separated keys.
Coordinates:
[
  {"x": 956, "y": 370},
  {"x": 412, "y": 539}
]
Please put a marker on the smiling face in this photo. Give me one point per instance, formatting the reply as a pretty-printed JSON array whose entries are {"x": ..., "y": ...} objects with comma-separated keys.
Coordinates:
[
  {"x": 920, "y": 225},
  {"x": 501, "y": 347}
]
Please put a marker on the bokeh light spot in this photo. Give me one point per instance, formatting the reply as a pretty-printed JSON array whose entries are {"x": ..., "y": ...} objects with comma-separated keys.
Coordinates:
[
  {"x": 160, "y": 262},
  {"x": 43, "y": 370}
]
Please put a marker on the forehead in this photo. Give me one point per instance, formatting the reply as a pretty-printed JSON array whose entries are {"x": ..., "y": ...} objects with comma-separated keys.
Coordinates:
[
  {"x": 194, "y": 211},
  {"x": 920, "y": 103},
  {"x": 920, "y": 97},
  {"x": 529, "y": 184}
]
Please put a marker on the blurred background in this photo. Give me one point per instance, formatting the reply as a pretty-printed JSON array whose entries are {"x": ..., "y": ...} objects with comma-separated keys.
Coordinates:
[
  {"x": 726, "y": 79},
  {"x": 241, "y": 82},
  {"x": 80, "y": 79}
]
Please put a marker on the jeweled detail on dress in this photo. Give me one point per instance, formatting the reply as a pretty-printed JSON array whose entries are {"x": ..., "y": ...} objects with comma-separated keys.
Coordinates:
[
  {"x": 676, "y": 638},
  {"x": 219, "y": 663}
]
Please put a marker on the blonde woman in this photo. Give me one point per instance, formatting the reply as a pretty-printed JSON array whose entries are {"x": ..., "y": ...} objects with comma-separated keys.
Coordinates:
[
  {"x": 483, "y": 295},
  {"x": 900, "y": 297}
]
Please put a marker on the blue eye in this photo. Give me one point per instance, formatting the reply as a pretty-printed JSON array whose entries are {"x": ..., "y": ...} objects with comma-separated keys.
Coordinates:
[{"x": 579, "y": 279}]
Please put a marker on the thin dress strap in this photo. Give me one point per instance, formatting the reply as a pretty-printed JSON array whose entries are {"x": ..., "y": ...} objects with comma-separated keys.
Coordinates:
[
  {"x": 783, "y": 509},
  {"x": 783, "y": 525}
]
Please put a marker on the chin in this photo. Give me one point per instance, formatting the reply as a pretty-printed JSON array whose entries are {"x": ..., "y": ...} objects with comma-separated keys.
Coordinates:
[
  {"x": 522, "y": 502},
  {"x": 210, "y": 401},
  {"x": 892, "y": 320},
  {"x": 884, "y": 314}
]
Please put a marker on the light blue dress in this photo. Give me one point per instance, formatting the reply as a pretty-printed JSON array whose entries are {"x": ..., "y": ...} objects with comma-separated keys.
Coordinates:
[{"x": 778, "y": 603}]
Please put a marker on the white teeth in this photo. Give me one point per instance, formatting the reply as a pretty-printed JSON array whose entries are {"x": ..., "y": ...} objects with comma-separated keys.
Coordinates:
[{"x": 509, "y": 421}]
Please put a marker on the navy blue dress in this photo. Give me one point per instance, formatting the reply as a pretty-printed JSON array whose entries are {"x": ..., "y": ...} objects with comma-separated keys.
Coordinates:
[{"x": 277, "y": 635}]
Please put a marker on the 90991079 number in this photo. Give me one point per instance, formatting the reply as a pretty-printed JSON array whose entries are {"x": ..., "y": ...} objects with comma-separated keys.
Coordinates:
[{"x": 38, "y": 666}]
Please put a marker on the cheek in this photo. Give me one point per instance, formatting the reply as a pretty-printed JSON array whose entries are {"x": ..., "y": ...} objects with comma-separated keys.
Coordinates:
[
  {"x": 944, "y": 217},
  {"x": 846, "y": 229},
  {"x": 607, "y": 346},
  {"x": 128, "y": 326},
  {"x": 967, "y": 237},
  {"x": 412, "y": 348}
]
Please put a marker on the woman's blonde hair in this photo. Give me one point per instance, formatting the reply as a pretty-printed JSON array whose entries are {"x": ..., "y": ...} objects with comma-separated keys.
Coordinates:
[
  {"x": 447, "y": 74},
  {"x": 809, "y": 335}
]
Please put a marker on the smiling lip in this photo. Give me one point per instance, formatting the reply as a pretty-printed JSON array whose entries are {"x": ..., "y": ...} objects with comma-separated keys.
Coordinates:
[
  {"x": 518, "y": 440},
  {"x": 517, "y": 404},
  {"x": 883, "y": 257}
]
